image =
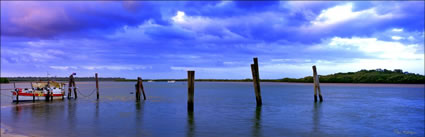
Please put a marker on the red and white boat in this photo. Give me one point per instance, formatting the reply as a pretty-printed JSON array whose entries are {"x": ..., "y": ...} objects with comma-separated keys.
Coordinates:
[{"x": 40, "y": 91}]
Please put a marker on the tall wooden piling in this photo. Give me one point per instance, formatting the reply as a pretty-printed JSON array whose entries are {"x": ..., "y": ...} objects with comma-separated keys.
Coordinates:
[
  {"x": 141, "y": 87},
  {"x": 190, "y": 90},
  {"x": 17, "y": 96},
  {"x": 72, "y": 85},
  {"x": 47, "y": 95},
  {"x": 33, "y": 92},
  {"x": 62, "y": 85},
  {"x": 139, "y": 81},
  {"x": 51, "y": 95},
  {"x": 316, "y": 85},
  {"x": 97, "y": 86},
  {"x": 69, "y": 86},
  {"x": 75, "y": 87},
  {"x": 256, "y": 81},
  {"x": 14, "y": 86}
]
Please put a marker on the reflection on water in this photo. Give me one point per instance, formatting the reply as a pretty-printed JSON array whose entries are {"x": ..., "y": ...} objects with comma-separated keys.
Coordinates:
[
  {"x": 257, "y": 122},
  {"x": 225, "y": 110},
  {"x": 71, "y": 115},
  {"x": 139, "y": 116},
  {"x": 191, "y": 124},
  {"x": 316, "y": 117}
]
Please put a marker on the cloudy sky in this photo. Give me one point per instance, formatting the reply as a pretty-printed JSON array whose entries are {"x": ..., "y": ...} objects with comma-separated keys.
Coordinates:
[{"x": 217, "y": 39}]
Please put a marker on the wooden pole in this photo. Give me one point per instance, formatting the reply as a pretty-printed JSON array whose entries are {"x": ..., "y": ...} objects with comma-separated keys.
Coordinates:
[
  {"x": 47, "y": 94},
  {"x": 17, "y": 95},
  {"x": 17, "y": 92},
  {"x": 75, "y": 87},
  {"x": 138, "y": 89},
  {"x": 51, "y": 95},
  {"x": 256, "y": 81},
  {"x": 69, "y": 86},
  {"x": 33, "y": 95},
  {"x": 316, "y": 85},
  {"x": 190, "y": 90},
  {"x": 63, "y": 87},
  {"x": 97, "y": 86},
  {"x": 48, "y": 91},
  {"x": 141, "y": 87},
  {"x": 139, "y": 81}
]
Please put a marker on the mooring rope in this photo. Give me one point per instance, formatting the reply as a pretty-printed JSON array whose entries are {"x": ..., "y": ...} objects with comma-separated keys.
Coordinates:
[{"x": 86, "y": 95}]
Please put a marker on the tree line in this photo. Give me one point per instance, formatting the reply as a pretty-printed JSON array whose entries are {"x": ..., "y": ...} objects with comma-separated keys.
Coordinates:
[
  {"x": 365, "y": 76},
  {"x": 362, "y": 76}
]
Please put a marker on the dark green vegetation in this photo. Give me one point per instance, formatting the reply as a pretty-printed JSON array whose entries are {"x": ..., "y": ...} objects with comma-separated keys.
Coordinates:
[
  {"x": 362, "y": 76},
  {"x": 4, "y": 80},
  {"x": 365, "y": 76}
]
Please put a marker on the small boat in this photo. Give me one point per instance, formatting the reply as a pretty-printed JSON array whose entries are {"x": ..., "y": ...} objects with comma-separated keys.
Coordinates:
[
  {"x": 40, "y": 91},
  {"x": 150, "y": 81},
  {"x": 171, "y": 81}
]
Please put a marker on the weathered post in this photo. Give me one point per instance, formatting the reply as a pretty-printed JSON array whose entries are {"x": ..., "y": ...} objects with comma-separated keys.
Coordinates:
[
  {"x": 17, "y": 96},
  {"x": 69, "y": 86},
  {"x": 48, "y": 94},
  {"x": 75, "y": 87},
  {"x": 316, "y": 85},
  {"x": 62, "y": 86},
  {"x": 33, "y": 92},
  {"x": 143, "y": 90},
  {"x": 17, "y": 92},
  {"x": 51, "y": 95},
  {"x": 139, "y": 81},
  {"x": 256, "y": 81},
  {"x": 190, "y": 90},
  {"x": 97, "y": 86}
]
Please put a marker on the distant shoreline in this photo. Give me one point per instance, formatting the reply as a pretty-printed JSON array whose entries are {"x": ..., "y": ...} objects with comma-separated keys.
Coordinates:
[
  {"x": 380, "y": 76},
  {"x": 203, "y": 80}
]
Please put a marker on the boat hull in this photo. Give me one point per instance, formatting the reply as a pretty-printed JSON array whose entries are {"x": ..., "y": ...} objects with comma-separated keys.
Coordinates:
[{"x": 31, "y": 97}]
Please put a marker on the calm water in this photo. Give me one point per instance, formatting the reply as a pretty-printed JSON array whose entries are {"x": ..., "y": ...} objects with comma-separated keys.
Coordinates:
[{"x": 224, "y": 110}]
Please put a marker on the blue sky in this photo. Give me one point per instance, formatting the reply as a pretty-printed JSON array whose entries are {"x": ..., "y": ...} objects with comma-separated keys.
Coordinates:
[{"x": 217, "y": 39}]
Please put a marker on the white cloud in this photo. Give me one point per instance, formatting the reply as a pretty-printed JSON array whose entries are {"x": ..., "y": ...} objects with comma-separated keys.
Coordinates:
[
  {"x": 398, "y": 30},
  {"x": 116, "y": 67},
  {"x": 229, "y": 63},
  {"x": 218, "y": 72},
  {"x": 180, "y": 17},
  {"x": 375, "y": 47},
  {"x": 411, "y": 38},
  {"x": 343, "y": 13},
  {"x": 63, "y": 67},
  {"x": 397, "y": 38}
]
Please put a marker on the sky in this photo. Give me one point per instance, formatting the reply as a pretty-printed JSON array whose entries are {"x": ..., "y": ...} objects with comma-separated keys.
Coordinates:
[{"x": 217, "y": 39}]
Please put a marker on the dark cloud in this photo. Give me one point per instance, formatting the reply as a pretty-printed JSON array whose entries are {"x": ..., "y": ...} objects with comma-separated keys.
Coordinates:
[
  {"x": 49, "y": 19},
  {"x": 221, "y": 34}
]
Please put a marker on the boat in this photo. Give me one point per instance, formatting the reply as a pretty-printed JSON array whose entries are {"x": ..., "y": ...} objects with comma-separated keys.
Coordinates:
[
  {"x": 171, "y": 81},
  {"x": 150, "y": 81},
  {"x": 39, "y": 91}
]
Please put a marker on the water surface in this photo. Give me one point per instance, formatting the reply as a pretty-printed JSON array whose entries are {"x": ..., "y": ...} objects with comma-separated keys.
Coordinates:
[{"x": 224, "y": 109}]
